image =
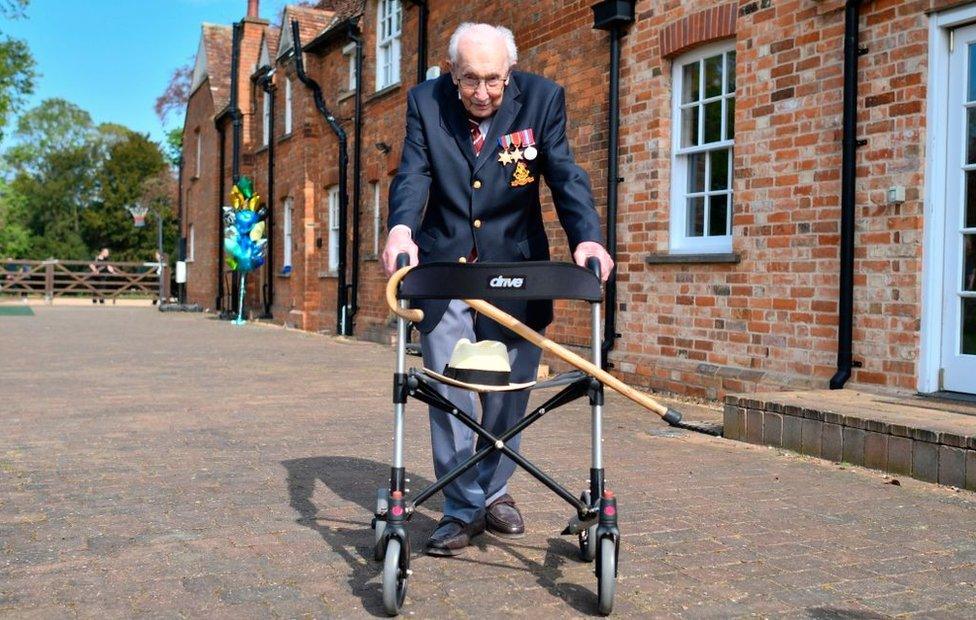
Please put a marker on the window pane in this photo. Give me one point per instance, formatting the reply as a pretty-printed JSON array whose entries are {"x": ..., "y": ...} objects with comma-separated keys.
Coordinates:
[
  {"x": 718, "y": 214},
  {"x": 713, "y": 76},
  {"x": 729, "y": 118},
  {"x": 696, "y": 173},
  {"x": 689, "y": 83},
  {"x": 971, "y": 135},
  {"x": 969, "y": 262},
  {"x": 689, "y": 126},
  {"x": 730, "y": 70},
  {"x": 696, "y": 216},
  {"x": 970, "y": 221},
  {"x": 968, "y": 327},
  {"x": 713, "y": 121},
  {"x": 971, "y": 74},
  {"x": 719, "y": 170}
]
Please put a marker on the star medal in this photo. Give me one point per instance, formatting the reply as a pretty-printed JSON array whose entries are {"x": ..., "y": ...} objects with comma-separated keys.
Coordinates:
[
  {"x": 528, "y": 140},
  {"x": 505, "y": 157},
  {"x": 516, "y": 139}
]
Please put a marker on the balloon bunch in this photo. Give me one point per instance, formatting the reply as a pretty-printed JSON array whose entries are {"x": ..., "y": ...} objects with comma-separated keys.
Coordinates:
[
  {"x": 244, "y": 224},
  {"x": 244, "y": 238}
]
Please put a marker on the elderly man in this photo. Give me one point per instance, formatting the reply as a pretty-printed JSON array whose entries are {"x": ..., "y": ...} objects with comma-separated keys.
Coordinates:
[{"x": 477, "y": 142}]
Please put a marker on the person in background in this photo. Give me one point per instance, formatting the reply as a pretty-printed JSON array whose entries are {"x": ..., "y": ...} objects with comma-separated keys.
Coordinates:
[{"x": 102, "y": 270}]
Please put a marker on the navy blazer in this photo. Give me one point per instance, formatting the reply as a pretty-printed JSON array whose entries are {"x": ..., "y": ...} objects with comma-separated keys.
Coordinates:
[{"x": 454, "y": 201}]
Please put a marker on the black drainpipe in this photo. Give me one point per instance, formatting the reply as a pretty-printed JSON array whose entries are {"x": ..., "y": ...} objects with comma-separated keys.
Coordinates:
[
  {"x": 181, "y": 244},
  {"x": 235, "y": 115},
  {"x": 235, "y": 112},
  {"x": 422, "y": 39},
  {"x": 845, "y": 318},
  {"x": 614, "y": 17},
  {"x": 342, "y": 316},
  {"x": 357, "y": 161},
  {"x": 268, "y": 87},
  {"x": 221, "y": 130}
]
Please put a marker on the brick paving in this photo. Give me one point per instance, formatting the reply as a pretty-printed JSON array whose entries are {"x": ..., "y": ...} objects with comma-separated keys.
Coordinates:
[{"x": 173, "y": 465}]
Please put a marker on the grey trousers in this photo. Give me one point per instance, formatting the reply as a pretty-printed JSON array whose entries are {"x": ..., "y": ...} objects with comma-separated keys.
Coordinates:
[{"x": 451, "y": 441}]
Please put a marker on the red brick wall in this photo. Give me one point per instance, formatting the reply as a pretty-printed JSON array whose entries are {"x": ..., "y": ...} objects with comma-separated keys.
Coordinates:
[
  {"x": 200, "y": 198},
  {"x": 701, "y": 329}
]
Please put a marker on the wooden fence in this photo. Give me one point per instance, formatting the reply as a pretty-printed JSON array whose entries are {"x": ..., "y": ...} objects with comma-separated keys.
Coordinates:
[{"x": 58, "y": 278}]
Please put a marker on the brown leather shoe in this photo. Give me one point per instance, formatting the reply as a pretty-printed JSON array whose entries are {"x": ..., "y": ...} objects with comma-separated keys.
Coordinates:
[
  {"x": 504, "y": 519},
  {"x": 452, "y": 536}
]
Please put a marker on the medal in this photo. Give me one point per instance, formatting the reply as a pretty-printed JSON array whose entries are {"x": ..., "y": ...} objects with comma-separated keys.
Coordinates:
[
  {"x": 530, "y": 152},
  {"x": 505, "y": 157},
  {"x": 517, "y": 141}
]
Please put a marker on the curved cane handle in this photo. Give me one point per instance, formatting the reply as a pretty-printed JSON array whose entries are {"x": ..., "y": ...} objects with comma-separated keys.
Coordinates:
[{"x": 414, "y": 315}]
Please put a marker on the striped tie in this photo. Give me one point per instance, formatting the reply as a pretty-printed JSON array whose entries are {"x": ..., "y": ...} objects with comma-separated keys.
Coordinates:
[{"x": 477, "y": 138}]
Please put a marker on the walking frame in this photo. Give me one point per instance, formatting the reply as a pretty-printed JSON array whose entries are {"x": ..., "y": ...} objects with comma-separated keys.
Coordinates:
[{"x": 595, "y": 519}]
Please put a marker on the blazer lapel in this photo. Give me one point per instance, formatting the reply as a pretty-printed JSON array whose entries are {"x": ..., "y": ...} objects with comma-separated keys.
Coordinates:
[
  {"x": 500, "y": 125},
  {"x": 454, "y": 121}
]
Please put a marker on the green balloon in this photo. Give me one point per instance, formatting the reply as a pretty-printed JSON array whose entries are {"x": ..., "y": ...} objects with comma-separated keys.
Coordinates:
[{"x": 246, "y": 187}]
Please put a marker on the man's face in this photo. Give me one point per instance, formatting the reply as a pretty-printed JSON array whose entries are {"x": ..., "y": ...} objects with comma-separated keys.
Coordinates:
[{"x": 481, "y": 73}]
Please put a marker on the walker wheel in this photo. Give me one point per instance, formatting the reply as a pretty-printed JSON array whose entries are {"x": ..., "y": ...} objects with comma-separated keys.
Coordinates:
[
  {"x": 587, "y": 538},
  {"x": 394, "y": 577},
  {"x": 606, "y": 574},
  {"x": 379, "y": 524}
]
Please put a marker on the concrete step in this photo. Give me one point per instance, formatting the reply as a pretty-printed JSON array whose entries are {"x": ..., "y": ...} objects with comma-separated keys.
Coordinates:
[{"x": 932, "y": 439}]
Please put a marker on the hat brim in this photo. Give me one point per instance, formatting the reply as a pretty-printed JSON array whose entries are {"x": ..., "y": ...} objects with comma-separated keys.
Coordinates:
[{"x": 511, "y": 387}]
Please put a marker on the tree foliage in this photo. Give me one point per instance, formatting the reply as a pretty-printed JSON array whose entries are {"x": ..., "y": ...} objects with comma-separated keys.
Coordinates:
[
  {"x": 177, "y": 93},
  {"x": 17, "y": 73},
  {"x": 72, "y": 181}
]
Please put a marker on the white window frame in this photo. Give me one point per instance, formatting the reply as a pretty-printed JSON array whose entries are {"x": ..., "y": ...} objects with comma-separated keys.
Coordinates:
[
  {"x": 288, "y": 117},
  {"x": 389, "y": 26},
  {"x": 681, "y": 242},
  {"x": 377, "y": 217},
  {"x": 197, "y": 164},
  {"x": 332, "y": 196},
  {"x": 349, "y": 51},
  {"x": 265, "y": 119},
  {"x": 191, "y": 243},
  {"x": 286, "y": 234}
]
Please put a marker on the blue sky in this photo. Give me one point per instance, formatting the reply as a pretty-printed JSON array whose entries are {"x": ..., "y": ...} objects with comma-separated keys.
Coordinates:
[{"x": 114, "y": 57}]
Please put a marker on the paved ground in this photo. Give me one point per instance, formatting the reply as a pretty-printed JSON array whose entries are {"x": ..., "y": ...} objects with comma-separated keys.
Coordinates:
[{"x": 173, "y": 465}]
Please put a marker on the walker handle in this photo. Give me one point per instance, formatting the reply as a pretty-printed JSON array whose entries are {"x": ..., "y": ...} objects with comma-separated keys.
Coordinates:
[
  {"x": 402, "y": 260},
  {"x": 593, "y": 264}
]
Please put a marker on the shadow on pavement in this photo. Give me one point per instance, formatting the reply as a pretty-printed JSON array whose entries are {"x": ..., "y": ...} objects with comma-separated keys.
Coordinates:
[{"x": 355, "y": 480}]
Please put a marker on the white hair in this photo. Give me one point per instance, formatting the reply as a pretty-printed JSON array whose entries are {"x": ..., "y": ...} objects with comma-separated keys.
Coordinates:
[{"x": 473, "y": 28}]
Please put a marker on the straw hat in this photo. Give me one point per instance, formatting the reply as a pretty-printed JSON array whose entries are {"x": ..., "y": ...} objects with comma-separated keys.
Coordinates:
[{"x": 479, "y": 366}]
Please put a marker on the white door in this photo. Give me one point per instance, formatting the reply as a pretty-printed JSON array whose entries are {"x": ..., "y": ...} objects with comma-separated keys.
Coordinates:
[{"x": 959, "y": 268}]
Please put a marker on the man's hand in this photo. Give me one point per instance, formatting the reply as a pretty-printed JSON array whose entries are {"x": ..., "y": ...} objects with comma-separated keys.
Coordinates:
[
  {"x": 586, "y": 249},
  {"x": 398, "y": 241}
]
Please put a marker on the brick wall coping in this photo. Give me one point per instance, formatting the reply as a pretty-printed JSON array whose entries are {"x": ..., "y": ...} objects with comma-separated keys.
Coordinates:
[
  {"x": 949, "y": 422},
  {"x": 929, "y": 439}
]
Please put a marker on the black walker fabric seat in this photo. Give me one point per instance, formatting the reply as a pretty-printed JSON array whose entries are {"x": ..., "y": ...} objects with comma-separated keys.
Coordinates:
[{"x": 525, "y": 281}]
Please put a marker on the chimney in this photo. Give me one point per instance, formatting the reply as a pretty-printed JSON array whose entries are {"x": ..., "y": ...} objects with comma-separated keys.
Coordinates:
[{"x": 252, "y": 9}]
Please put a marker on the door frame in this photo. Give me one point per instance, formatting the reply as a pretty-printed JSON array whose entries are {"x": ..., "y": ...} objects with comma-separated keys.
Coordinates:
[{"x": 936, "y": 177}]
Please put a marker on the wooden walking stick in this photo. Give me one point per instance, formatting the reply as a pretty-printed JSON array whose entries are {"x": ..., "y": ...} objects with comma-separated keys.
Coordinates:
[{"x": 503, "y": 318}]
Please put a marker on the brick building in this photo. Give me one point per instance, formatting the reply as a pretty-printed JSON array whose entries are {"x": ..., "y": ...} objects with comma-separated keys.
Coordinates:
[{"x": 732, "y": 191}]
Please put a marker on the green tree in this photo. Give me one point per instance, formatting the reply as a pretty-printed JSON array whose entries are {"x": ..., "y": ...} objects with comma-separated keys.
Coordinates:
[
  {"x": 57, "y": 149},
  {"x": 16, "y": 66},
  {"x": 15, "y": 239},
  {"x": 131, "y": 165}
]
